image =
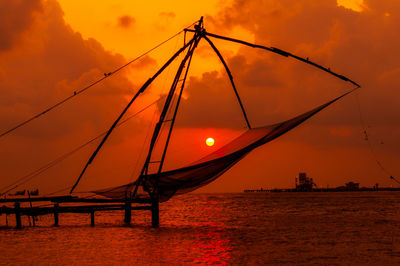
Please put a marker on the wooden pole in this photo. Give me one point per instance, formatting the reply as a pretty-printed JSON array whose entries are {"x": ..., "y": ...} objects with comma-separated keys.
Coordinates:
[
  {"x": 141, "y": 90},
  {"x": 92, "y": 218},
  {"x": 57, "y": 209},
  {"x": 56, "y": 214},
  {"x": 164, "y": 111},
  {"x": 230, "y": 78},
  {"x": 155, "y": 212},
  {"x": 17, "y": 206},
  {"x": 29, "y": 221},
  {"x": 30, "y": 203},
  {"x": 128, "y": 212}
]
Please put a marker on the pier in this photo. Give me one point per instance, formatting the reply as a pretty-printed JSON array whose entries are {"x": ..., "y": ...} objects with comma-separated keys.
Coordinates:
[{"x": 69, "y": 204}]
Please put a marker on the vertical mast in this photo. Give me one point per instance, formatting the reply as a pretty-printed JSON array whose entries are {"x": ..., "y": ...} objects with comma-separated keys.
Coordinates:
[
  {"x": 141, "y": 90},
  {"x": 199, "y": 29},
  {"x": 176, "y": 110},
  {"x": 195, "y": 40}
]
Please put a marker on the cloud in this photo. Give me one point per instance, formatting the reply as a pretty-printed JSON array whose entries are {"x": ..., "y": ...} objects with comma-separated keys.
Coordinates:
[
  {"x": 356, "y": 5},
  {"x": 50, "y": 63},
  {"x": 16, "y": 17},
  {"x": 126, "y": 21},
  {"x": 165, "y": 19},
  {"x": 167, "y": 15},
  {"x": 360, "y": 45},
  {"x": 43, "y": 60},
  {"x": 144, "y": 62}
]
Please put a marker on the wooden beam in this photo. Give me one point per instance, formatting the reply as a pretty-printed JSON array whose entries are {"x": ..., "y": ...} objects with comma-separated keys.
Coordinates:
[
  {"x": 92, "y": 218},
  {"x": 61, "y": 199},
  {"x": 90, "y": 209},
  {"x": 56, "y": 198},
  {"x": 142, "y": 201},
  {"x": 155, "y": 213},
  {"x": 128, "y": 212},
  {"x": 55, "y": 214},
  {"x": 71, "y": 209},
  {"x": 18, "y": 222}
]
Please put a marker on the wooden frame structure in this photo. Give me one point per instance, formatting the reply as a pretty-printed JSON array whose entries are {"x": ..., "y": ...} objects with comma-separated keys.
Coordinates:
[
  {"x": 91, "y": 206},
  {"x": 149, "y": 185}
]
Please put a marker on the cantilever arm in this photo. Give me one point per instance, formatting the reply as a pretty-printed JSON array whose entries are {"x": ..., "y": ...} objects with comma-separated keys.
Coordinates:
[
  {"x": 142, "y": 89},
  {"x": 282, "y": 53},
  {"x": 230, "y": 78},
  {"x": 162, "y": 116}
]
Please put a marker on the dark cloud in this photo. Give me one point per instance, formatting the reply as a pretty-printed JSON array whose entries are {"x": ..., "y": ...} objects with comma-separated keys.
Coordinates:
[
  {"x": 360, "y": 45},
  {"x": 50, "y": 63},
  {"x": 16, "y": 17},
  {"x": 210, "y": 102},
  {"x": 126, "y": 21},
  {"x": 144, "y": 62}
]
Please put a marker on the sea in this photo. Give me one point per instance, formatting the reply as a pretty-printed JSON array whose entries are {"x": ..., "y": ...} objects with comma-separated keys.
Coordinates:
[{"x": 314, "y": 228}]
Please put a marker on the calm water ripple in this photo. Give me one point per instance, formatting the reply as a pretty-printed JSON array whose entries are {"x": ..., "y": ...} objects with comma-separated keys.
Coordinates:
[{"x": 217, "y": 229}]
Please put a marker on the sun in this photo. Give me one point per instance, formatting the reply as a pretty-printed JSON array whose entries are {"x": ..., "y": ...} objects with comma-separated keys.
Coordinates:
[{"x": 210, "y": 141}]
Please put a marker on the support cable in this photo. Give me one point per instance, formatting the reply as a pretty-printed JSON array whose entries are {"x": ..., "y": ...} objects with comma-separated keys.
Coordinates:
[
  {"x": 157, "y": 128},
  {"x": 76, "y": 93},
  {"x": 280, "y": 52},
  {"x": 153, "y": 118},
  {"x": 26, "y": 178},
  {"x": 230, "y": 78},
  {"x": 176, "y": 107},
  {"x": 371, "y": 148},
  {"x": 141, "y": 90}
]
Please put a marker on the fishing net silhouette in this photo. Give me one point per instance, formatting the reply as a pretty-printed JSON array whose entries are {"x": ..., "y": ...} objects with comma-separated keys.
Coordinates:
[{"x": 210, "y": 167}]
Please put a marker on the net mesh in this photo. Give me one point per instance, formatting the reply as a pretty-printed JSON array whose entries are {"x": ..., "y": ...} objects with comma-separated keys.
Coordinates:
[{"x": 210, "y": 167}]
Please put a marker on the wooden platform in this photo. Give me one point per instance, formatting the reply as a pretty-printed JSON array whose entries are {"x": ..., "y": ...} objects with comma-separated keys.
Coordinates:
[{"x": 55, "y": 207}]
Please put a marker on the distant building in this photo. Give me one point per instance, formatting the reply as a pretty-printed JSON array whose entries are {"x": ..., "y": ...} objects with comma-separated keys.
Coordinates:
[
  {"x": 304, "y": 183},
  {"x": 351, "y": 186}
]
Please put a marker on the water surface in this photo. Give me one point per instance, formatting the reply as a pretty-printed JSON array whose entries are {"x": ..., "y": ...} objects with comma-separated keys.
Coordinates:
[{"x": 244, "y": 228}]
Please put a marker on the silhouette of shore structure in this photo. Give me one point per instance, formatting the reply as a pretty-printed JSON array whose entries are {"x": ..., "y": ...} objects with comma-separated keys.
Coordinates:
[
  {"x": 305, "y": 183},
  {"x": 56, "y": 205}
]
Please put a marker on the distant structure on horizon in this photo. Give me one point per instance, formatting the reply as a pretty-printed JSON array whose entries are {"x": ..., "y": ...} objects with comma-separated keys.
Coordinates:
[
  {"x": 350, "y": 186},
  {"x": 304, "y": 183}
]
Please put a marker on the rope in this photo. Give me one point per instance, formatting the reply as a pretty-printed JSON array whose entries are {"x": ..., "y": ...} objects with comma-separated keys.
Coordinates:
[
  {"x": 140, "y": 91},
  {"x": 76, "y": 93},
  {"x": 163, "y": 91},
  {"x": 368, "y": 140},
  {"x": 58, "y": 191},
  {"x": 33, "y": 174}
]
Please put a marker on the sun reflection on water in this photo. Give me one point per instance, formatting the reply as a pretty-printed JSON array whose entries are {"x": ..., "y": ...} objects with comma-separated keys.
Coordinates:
[{"x": 211, "y": 246}]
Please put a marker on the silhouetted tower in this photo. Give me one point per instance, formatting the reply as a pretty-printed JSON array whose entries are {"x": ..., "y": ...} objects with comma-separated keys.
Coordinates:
[{"x": 305, "y": 183}]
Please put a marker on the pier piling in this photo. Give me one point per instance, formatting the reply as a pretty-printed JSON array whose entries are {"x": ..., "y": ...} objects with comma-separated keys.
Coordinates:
[
  {"x": 18, "y": 222},
  {"x": 92, "y": 218},
  {"x": 128, "y": 212},
  {"x": 155, "y": 215},
  {"x": 56, "y": 214},
  {"x": 57, "y": 207}
]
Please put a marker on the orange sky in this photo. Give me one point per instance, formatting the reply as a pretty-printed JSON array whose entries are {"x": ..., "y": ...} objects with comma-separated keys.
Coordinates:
[{"x": 49, "y": 49}]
